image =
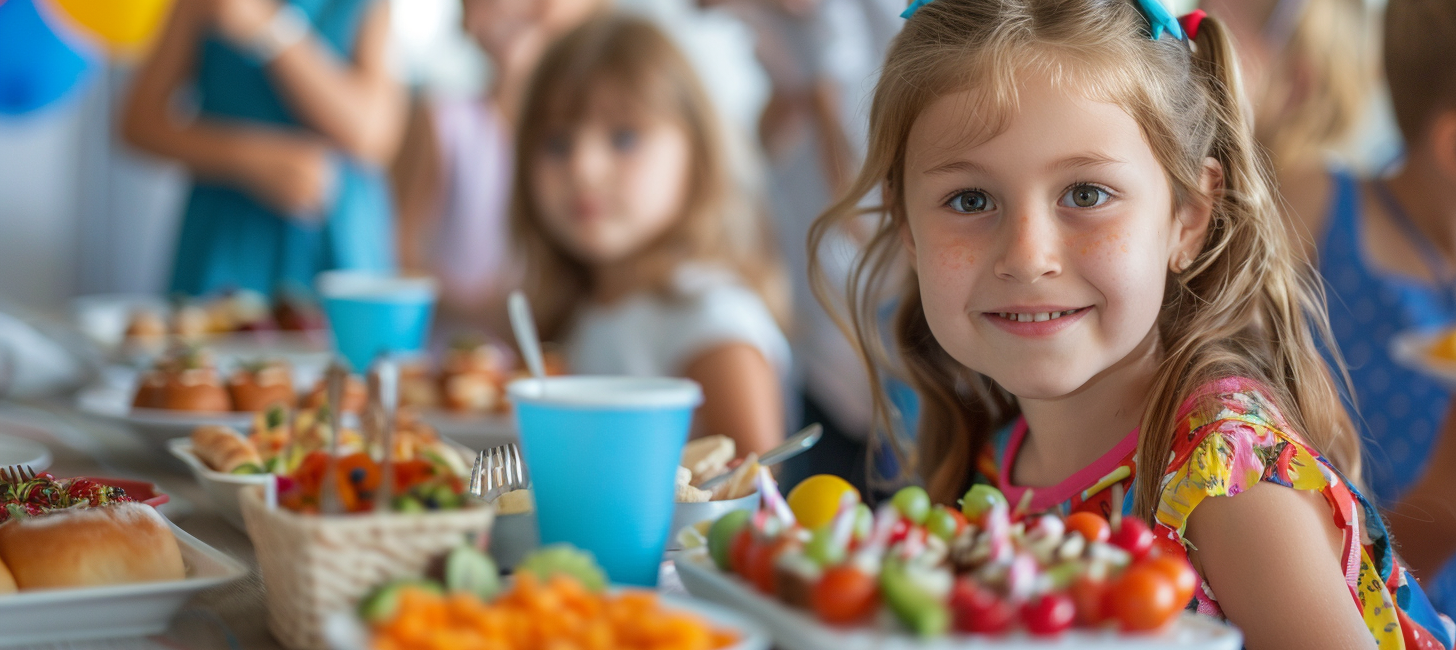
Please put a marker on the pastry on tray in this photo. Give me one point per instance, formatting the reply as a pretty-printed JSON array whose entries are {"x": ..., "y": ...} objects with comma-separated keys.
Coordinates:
[{"x": 257, "y": 386}]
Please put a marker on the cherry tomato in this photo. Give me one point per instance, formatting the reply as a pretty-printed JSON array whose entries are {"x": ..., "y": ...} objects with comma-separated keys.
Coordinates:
[
  {"x": 738, "y": 551},
  {"x": 845, "y": 595},
  {"x": 1178, "y": 571},
  {"x": 900, "y": 530},
  {"x": 979, "y": 610},
  {"x": 1142, "y": 599},
  {"x": 1090, "y": 524},
  {"x": 761, "y": 560},
  {"x": 1134, "y": 537},
  {"x": 1089, "y": 595},
  {"x": 1048, "y": 614}
]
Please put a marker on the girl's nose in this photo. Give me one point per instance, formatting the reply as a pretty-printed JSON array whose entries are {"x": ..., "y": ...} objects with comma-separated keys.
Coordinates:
[
  {"x": 1031, "y": 247},
  {"x": 590, "y": 163}
]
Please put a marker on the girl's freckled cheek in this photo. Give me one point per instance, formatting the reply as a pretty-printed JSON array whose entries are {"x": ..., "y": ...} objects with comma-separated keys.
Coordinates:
[{"x": 955, "y": 257}]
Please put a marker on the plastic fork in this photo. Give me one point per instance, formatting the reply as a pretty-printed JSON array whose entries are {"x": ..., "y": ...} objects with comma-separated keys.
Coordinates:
[{"x": 498, "y": 470}]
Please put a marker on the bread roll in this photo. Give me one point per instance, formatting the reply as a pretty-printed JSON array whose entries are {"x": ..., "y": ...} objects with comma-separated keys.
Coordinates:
[
  {"x": 256, "y": 389},
  {"x": 7, "y": 581},
  {"x": 86, "y": 547},
  {"x": 223, "y": 449}
]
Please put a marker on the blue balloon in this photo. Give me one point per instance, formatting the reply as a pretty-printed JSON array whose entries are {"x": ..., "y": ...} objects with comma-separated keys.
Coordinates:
[{"x": 36, "y": 66}]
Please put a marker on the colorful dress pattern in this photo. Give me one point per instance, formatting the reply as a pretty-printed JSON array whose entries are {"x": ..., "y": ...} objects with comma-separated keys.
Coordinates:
[{"x": 1230, "y": 437}]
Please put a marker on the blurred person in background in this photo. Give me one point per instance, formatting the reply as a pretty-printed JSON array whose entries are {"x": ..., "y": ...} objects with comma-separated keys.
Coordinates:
[
  {"x": 290, "y": 115},
  {"x": 822, "y": 59},
  {"x": 1408, "y": 223},
  {"x": 642, "y": 258},
  {"x": 452, "y": 177}
]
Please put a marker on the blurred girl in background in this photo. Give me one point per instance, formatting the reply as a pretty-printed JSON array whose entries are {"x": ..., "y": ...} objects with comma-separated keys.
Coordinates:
[
  {"x": 453, "y": 174},
  {"x": 295, "y": 114},
  {"x": 641, "y": 258}
]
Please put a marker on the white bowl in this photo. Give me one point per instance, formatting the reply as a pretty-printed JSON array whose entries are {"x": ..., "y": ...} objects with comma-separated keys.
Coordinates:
[
  {"x": 514, "y": 536},
  {"x": 221, "y": 487}
]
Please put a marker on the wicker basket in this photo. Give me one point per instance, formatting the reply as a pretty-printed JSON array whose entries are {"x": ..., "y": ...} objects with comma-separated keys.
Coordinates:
[{"x": 314, "y": 565}]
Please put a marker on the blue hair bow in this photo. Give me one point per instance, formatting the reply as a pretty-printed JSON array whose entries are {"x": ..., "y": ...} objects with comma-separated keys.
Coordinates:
[
  {"x": 1159, "y": 18},
  {"x": 910, "y": 10}
]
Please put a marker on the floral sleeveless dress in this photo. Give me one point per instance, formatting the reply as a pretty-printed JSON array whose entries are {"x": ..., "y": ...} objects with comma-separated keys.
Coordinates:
[{"x": 1230, "y": 436}]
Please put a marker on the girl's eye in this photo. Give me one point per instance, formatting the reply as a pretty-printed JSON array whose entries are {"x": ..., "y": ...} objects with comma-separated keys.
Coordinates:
[
  {"x": 624, "y": 139},
  {"x": 558, "y": 146},
  {"x": 970, "y": 201},
  {"x": 1085, "y": 196}
]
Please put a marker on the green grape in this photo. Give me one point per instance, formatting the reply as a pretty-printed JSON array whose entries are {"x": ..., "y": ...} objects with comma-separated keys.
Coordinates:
[
  {"x": 979, "y": 500},
  {"x": 913, "y": 503},
  {"x": 942, "y": 523},
  {"x": 822, "y": 549}
]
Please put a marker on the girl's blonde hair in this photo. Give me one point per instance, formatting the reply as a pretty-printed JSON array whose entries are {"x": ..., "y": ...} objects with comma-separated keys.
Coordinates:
[
  {"x": 717, "y": 225},
  {"x": 1246, "y": 307}
]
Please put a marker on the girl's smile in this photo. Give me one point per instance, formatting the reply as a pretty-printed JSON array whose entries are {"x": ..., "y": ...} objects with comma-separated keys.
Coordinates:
[{"x": 1035, "y": 321}]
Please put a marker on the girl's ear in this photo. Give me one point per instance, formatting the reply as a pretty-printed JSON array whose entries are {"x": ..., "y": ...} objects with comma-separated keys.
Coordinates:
[
  {"x": 908, "y": 240},
  {"x": 1191, "y": 228}
]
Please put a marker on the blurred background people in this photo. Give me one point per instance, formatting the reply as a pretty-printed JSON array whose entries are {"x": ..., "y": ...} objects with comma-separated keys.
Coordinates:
[
  {"x": 640, "y": 256},
  {"x": 822, "y": 59},
  {"x": 453, "y": 174},
  {"x": 295, "y": 114},
  {"x": 1408, "y": 227}
]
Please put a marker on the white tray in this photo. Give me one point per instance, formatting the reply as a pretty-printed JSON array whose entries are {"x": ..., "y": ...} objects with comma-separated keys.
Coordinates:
[
  {"x": 1412, "y": 350},
  {"x": 221, "y": 487},
  {"x": 795, "y": 630},
  {"x": 344, "y": 631},
  {"x": 119, "y": 611}
]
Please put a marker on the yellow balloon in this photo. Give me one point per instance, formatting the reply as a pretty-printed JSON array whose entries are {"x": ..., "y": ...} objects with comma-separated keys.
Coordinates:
[{"x": 125, "y": 27}]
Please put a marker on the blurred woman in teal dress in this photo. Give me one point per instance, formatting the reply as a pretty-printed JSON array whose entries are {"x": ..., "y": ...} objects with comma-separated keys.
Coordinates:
[{"x": 287, "y": 115}]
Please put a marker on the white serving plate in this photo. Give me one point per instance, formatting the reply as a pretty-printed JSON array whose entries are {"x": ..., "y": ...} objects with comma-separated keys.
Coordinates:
[
  {"x": 343, "y": 630},
  {"x": 1412, "y": 350},
  {"x": 23, "y": 451},
  {"x": 119, "y": 611},
  {"x": 221, "y": 487},
  {"x": 476, "y": 431},
  {"x": 113, "y": 403},
  {"x": 796, "y": 630}
]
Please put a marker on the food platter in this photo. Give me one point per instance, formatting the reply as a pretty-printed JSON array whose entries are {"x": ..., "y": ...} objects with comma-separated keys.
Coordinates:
[
  {"x": 476, "y": 431},
  {"x": 1412, "y": 349},
  {"x": 344, "y": 631},
  {"x": 113, "y": 403},
  {"x": 140, "y": 609},
  {"x": 795, "y": 630}
]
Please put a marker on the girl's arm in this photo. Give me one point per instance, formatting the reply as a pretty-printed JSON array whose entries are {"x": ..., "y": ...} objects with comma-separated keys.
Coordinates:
[
  {"x": 356, "y": 104},
  {"x": 741, "y": 396},
  {"x": 1272, "y": 556},
  {"x": 1423, "y": 524},
  {"x": 284, "y": 169}
]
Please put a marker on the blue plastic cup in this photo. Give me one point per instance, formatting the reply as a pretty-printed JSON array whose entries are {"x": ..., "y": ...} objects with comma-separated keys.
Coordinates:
[
  {"x": 371, "y": 313},
  {"x": 602, "y": 454}
]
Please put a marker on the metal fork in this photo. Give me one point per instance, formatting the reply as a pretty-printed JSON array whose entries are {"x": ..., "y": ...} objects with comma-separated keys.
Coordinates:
[
  {"x": 498, "y": 470},
  {"x": 16, "y": 474}
]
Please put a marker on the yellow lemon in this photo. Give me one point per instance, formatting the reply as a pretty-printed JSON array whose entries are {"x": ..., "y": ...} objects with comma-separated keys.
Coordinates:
[{"x": 816, "y": 499}]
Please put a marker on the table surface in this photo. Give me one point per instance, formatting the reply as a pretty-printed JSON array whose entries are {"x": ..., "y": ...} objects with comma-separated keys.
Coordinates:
[{"x": 228, "y": 617}]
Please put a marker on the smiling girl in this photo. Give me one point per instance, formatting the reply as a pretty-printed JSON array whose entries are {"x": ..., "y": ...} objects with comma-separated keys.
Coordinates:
[
  {"x": 1100, "y": 293},
  {"x": 641, "y": 257}
]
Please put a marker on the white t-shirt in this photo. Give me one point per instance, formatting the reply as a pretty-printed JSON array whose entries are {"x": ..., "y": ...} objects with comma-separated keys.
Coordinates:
[{"x": 648, "y": 334}]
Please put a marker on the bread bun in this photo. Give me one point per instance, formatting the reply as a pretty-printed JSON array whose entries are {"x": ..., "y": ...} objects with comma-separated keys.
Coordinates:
[
  {"x": 7, "y": 581},
  {"x": 355, "y": 395},
  {"x": 85, "y": 547},
  {"x": 201, "y": 397},
  {"x": 151, "y": 391},
  {"x": 256, "y": 389}
]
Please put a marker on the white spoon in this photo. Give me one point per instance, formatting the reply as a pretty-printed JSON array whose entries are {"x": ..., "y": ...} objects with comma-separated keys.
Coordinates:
[{"x": 524, "y": 327}]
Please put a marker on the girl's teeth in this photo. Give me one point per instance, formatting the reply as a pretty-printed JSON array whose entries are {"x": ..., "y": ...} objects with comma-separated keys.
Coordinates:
[{"x": 1036, "y": 317}]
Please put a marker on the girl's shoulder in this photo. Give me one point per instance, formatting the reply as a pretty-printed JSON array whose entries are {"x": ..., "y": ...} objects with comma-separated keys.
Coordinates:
[{"x": 1230, "y": 435}]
